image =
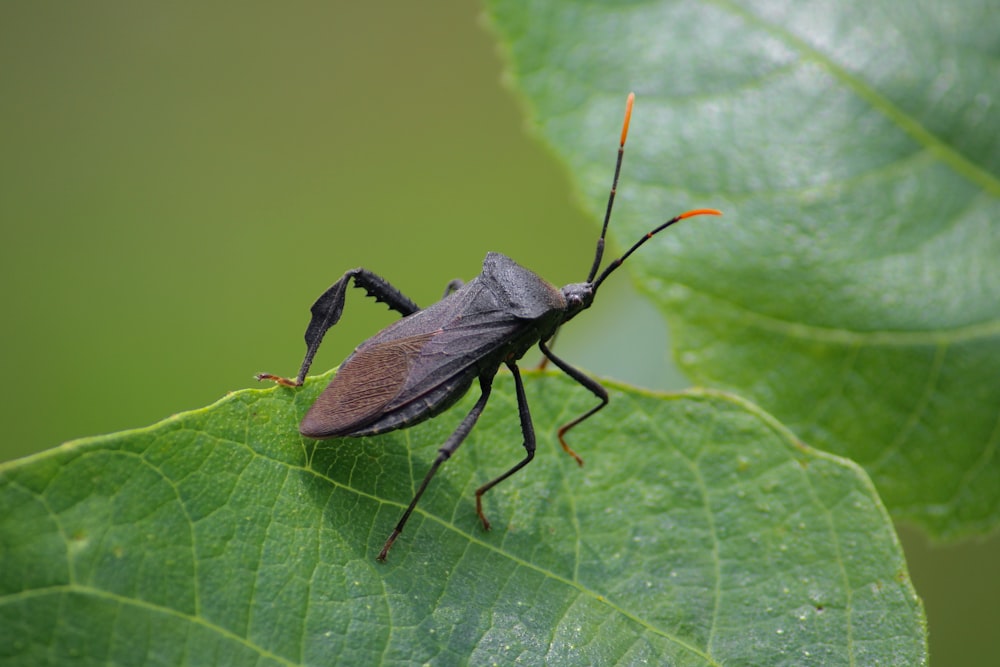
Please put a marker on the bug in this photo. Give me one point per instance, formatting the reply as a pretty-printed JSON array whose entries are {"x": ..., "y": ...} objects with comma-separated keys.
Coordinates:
[{"x": 421, "y": 365}]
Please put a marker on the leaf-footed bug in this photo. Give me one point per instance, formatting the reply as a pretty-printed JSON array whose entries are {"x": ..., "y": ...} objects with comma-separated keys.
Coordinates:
[{"x": 423, "y": 364}]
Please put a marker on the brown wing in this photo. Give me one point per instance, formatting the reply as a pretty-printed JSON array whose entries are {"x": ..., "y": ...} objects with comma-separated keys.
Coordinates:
[{"x": 366, "y": 382}]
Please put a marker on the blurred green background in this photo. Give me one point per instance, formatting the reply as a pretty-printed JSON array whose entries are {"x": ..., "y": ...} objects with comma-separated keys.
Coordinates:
[{"x": 180, "y": 181}]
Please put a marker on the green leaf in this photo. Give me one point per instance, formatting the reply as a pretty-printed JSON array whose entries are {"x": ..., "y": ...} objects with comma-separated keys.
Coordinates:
[
  {"x": 853, "y": 287},
  {"x": 698, "y": 533}
]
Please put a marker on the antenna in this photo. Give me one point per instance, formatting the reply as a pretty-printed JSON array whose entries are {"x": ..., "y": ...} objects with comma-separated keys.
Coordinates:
[
  {"x": 599, "y": 254},
  {"x": 650, "y": 234}
]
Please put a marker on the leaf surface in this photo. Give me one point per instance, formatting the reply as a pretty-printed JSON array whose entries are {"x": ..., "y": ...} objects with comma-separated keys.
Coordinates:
[
  {"x": 700, "y": 532},
  {"x": 853, "y": 287}
]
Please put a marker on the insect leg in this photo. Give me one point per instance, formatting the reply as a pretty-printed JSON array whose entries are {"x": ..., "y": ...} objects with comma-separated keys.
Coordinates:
[
  {"x": 591, "y": 384},
  {"x": 544, "y": 363},
  {"x": 444, "y": 453},
  {"x": 327, "y": 309},
  {"x": 527, "y": 429},
  {"x": 452, "y": 286}
]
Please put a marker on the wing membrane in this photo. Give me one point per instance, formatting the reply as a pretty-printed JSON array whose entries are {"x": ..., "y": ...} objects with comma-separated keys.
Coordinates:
[{"x": 365, "y": 384}]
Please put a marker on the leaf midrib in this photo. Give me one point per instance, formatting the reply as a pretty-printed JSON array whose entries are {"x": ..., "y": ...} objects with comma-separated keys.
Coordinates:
[
  {"x": 473, "y": 539},
  {"x": 946, "y": 336},
  {"x": 907, "y": 123},
  {"x": 181, "y": 420},
  {"x": 82, "y": 589}
]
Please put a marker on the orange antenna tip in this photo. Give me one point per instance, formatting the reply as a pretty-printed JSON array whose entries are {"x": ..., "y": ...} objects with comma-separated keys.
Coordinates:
[
  {"x": 699, "y": 211},
  {"x": 628, "y": 116}
]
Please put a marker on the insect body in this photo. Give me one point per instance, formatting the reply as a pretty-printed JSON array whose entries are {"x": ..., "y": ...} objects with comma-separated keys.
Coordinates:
[{"x": 423, "y": 364}]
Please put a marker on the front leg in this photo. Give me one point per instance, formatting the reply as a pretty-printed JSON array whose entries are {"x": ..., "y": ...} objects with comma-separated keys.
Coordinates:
[
  {"x": 591, "y": 384},
  {"x": 330, "y": 306}
]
